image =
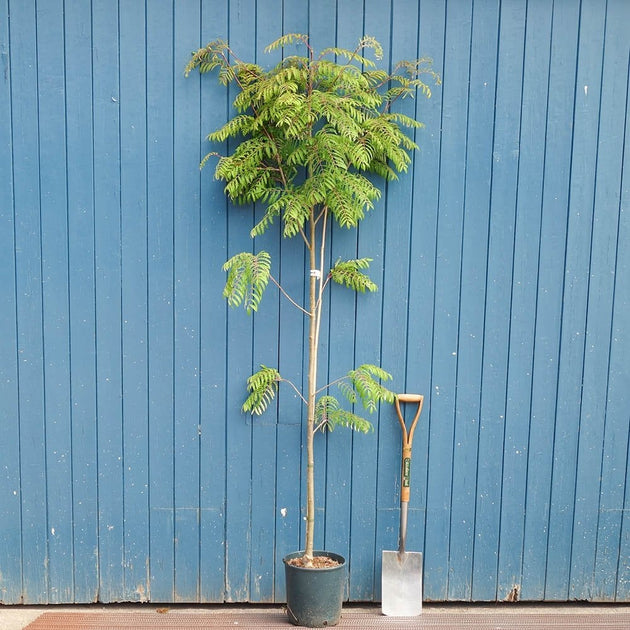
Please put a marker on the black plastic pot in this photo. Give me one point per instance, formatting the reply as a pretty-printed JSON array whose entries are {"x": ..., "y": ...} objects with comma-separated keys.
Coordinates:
[{"x": 314, "y": 596}]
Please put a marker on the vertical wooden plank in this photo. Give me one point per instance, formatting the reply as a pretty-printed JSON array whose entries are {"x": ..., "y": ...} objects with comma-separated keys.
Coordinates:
[
  {"x": 542, "y": 526},
  {"x": 55, "y": 296},
  {"x": 619, "y": 382},
  {"x": 187, "y": 309},
  {"x": 350, "y": 24},
  {"x": 29, "y": 302},
  {"x": 524, "y": 286},
  {"x": 213, "y": 329},
  {"x": 498, "y": 301},
  {"x": 134, "y": 297},
  {"x": 265, "y": 351},
  {"x": 423, "y": 257},
  {"x": 289, "y": 524},
  {"x": 107, "y": 231},
  {"x": 78, "y": 83},
  {"x": 598, "y": 497},
  {"x": 322, "y": 24},
  {"x": 505, "y": 195},
  {"x": 447, "y": 297},
  {"x": 579, "y": 231},
  {"x": 239, "y": 364},
  {"x": 262, "y": 571},
  {"x": 359, "y": 534},
  {"x": 160, "y": 166},
  {"x": 385, "y": 451},
  {"x": 550, "y": 270},
  {"x": 481, "y": 105},
  {"x": 10, "y": 497}
]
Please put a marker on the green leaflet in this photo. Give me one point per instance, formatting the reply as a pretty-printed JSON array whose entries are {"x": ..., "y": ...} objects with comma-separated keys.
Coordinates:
[
  {"x": 348, "y": 273},
  {"x": 366, "y": 380},
  {"x": 329, "y": 414},
  {"x": 262, "y": 387},
  {"x": 248, "y": 275}
]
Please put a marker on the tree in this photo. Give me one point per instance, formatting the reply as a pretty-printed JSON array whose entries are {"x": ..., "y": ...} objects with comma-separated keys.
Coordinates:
[{"x": 308, "y": 132}]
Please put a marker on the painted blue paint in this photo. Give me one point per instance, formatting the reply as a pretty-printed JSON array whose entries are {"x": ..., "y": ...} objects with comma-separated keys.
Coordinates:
[
  {"x": 108, "y": 307},
  {"x": 500, "y": 295},
  {"x": 596, "y": 448},
  {"x": 240, "y": 364},
  {"x": 55, "y": 297},
  {"x": 129, "y": 471},
  {"x": 446, "y": 314},
  {"x": 134, "y": 289},
  {"x": 29, "y": 329},
  {"x": 552, "y": 372},
  {"x": 472, "y": 295},
  {"x": 213, "y": 342},
  {"x": 79, "y": 113},
  {"x": 187, "y": 314},
  {"x": 10, "y": 506},
  {"x": 160, "y": 351},
  {"x": 614, "y": 524},
  {"x": 525, "y": 290},
  {"x": 422, "y": 272}
]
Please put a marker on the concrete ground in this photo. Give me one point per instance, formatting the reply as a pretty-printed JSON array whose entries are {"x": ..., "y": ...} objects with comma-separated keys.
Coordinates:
[{"x": 589, "y": 616}]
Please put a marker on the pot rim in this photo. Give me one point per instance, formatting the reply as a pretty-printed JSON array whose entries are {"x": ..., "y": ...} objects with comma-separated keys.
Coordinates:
[{"x": 328, "y": 554}]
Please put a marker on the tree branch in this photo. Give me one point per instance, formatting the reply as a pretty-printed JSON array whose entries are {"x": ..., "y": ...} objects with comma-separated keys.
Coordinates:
[
  {"x": 337, "y": 380},
  {"x": 286, "y": 295},
  {"x": 295, "y": 389}
]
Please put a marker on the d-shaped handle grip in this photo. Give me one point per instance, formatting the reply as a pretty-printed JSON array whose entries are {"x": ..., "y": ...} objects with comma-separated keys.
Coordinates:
[{"x": 407, "y": 440}]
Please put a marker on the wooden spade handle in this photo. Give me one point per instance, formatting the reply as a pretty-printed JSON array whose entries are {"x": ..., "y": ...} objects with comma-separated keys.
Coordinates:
[{"x": 407, "y": 439}]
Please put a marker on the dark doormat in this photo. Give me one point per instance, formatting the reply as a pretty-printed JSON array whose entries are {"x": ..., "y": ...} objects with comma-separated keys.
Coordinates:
[{"x": 154, "y": 620}]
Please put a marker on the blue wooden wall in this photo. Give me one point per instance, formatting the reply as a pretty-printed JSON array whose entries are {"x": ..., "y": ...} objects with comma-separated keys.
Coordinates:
[{"x": 127, "y": 471}]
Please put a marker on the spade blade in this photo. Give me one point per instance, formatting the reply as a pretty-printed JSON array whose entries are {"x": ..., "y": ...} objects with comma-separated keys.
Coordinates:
[{"x": 401, "y": 580}]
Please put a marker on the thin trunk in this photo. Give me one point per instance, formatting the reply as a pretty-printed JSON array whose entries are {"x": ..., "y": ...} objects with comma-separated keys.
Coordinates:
[
  {"x": 312, "y": 388},
  {"x": 313, "y": 345},
  {"x": 316, "y": 281}
]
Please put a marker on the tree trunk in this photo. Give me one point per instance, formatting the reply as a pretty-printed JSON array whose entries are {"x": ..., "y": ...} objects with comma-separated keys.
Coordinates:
[{"x": 312, "y": 388}]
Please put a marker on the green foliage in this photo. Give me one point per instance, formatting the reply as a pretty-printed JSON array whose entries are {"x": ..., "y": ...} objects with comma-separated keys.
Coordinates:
[
  {"x": 361, "y": 385},
  {"x": 248, "y": 275},
  {"x": 286, "y": 40},
  {"x": 329, "y": 414},
  {"x": 348, "y": 273},
  {"x": 364, "y": 384},
  {"x": 262, "y": 387},
  {"x": 309, "y": 128}
]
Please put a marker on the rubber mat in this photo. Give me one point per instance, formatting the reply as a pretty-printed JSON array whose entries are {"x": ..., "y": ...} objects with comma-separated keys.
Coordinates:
[{"x": 250, "y": 621}]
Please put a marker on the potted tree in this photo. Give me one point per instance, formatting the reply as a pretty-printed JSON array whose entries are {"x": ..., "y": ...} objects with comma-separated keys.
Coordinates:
[{"x": 307, "y": 132}]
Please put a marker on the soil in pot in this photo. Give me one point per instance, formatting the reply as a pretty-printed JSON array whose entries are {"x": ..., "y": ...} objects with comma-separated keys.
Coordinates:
[{"x": 319, "y": 562}]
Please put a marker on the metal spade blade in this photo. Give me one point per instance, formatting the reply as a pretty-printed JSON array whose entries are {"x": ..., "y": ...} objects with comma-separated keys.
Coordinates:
[{"x": 402, "y": 584}]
